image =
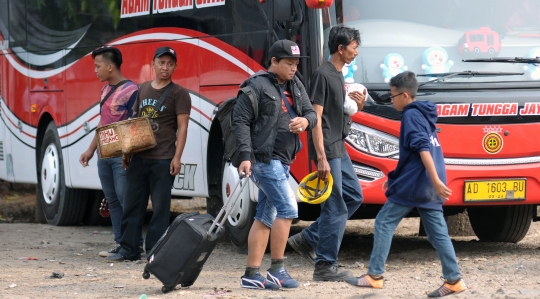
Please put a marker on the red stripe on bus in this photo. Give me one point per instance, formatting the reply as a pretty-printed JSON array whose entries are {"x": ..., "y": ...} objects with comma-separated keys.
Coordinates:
[
  {"x": 16, "y": 126},
  {"x": 205, "y": 116}
]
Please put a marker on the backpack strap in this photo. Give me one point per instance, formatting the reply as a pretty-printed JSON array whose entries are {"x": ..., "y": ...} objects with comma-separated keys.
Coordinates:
[
  {"x": 113, "y": 89},
  {"x": 291, "y": 111},
  {"x": 162, "y": 98},
  {"x": 253, "y": 97}
]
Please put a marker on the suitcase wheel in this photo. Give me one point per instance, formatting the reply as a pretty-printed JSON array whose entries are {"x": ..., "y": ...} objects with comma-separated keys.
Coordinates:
[
  {"x": 146, "y": 274},
  {"x": 165, "y": 289}
]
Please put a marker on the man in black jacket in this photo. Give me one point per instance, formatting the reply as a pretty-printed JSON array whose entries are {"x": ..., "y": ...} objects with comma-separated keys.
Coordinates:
[{"x": 267, "y": 146}]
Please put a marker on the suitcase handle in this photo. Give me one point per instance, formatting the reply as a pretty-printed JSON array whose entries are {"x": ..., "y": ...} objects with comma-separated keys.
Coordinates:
[{"x": 226, "y": 209}]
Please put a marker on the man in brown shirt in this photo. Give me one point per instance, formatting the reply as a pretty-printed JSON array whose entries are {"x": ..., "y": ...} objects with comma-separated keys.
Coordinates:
[{"x": 151, "y": 172}]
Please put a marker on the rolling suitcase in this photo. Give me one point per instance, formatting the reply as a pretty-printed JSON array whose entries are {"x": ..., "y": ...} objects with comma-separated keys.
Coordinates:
[{"x": 179, "y": 255}]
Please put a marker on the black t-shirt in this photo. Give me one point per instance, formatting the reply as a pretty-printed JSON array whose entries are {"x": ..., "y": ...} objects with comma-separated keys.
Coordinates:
[
  {"x": 328, "y": 91},
  {"x": 285, "y": 145}
]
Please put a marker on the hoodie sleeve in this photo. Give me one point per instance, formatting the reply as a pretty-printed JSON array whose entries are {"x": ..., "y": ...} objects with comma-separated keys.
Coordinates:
[{"x": 415, "y": 132}]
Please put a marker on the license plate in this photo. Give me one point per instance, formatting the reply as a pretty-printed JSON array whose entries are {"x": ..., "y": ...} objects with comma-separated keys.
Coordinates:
[{"x": 495, "y": 190}]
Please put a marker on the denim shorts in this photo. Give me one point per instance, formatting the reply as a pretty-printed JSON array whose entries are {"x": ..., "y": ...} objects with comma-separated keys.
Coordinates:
[{"x": 276, "y": 198}]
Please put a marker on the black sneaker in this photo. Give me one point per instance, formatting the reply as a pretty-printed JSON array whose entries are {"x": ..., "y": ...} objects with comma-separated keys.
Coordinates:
[
  {"x": 301, "y": 245},
  {"x": 120, "y": 258},
  {"x": 112, "y": 251},
  {"x": 326, "y": 271}
]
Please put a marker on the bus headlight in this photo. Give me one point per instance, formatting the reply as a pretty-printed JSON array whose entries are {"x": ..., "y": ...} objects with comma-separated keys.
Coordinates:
[{"x": 373, "y": 142}]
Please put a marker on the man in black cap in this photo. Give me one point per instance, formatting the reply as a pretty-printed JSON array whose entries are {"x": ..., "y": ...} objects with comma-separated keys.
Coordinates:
[
  {"x": 152, "y": 172},
  {"x": 267, "y": 145}
]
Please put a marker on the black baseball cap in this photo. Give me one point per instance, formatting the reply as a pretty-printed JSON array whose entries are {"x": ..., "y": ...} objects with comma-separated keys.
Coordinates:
[
  {"x": 165, "y": 50},
  {"x": 285, "y": 49}
]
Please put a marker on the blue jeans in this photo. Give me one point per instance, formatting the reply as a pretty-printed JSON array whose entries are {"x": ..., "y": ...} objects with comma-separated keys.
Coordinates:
[
  {"x": 326, "y": 234},
  {"x": 145, "y": 177},
  {"x": 276, "y": 198},
  {"x": 437, "y": 233},
  {"x": 113, "y": 181}
]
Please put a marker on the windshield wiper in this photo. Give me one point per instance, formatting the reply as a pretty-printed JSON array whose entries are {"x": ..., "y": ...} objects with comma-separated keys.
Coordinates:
[
  {"x": 533, "y": 60},
  {"x": 385, "y": 99},
  {"x": 465, "y": 74}
]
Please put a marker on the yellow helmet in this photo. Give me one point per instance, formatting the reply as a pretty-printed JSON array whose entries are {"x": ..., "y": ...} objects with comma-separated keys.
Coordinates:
[{"x": 314, "y": 190}]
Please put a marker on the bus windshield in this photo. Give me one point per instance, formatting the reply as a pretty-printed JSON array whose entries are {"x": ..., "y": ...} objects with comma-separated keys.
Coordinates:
[{"x": 426, "y": 37}]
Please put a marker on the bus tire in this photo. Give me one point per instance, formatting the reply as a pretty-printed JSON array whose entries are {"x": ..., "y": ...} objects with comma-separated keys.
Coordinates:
[
  {"x": 491, "y": 51},
  {"x": 476, "y": 50},
  {"x": 242, "y": 215},
  {"x": 501, "y": 223},
  {"x": 60, "y": 205},
  {"x": 39, "y": 216},
  {"x": 213, "y": 205}
]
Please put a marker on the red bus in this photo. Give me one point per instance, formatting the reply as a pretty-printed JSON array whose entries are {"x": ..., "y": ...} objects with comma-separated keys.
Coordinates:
[
  {"x": 49, "y": 97},
  {"x": 483, "y": 40}
]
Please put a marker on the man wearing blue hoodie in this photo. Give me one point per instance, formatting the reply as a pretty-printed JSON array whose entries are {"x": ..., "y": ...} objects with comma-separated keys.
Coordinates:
[{"x": 419, "y": 181}]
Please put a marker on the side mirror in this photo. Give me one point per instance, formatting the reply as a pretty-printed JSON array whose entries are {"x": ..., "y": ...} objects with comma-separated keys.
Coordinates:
[
  {"x": 381, "y": 99},
  {"x": 283, "y": 10}
]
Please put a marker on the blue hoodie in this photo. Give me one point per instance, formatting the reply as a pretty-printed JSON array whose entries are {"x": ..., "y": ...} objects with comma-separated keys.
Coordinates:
[{"x": 409, "y": 184}]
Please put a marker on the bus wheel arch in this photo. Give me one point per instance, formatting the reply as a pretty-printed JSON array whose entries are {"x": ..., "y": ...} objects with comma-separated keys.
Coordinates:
[
  {"x": 501, "y": 223},
  {"x": 58, "y": 204},
  {"x": 214, "y": 169},
  {"x": 238, "y": 230}
]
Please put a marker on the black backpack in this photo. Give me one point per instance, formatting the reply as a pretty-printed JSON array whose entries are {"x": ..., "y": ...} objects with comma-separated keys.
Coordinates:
[{"x": 224, "y": 115}]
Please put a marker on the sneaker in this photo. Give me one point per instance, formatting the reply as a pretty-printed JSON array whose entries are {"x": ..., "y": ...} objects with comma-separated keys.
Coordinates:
[
  {"x": 281, "y": 278},
  {"x": 449, "y": 288},
  {"x": 120, "y": 258},
  {"x": 257, "y": 282},
  {"x": 301, "y": 245},
  {"x": 112, "y": 251},
  {"x": 366, "y": 281},
  {"x": 326, "y": 271}
]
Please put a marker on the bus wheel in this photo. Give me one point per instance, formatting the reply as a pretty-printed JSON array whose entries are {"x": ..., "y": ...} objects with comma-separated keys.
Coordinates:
[
  {"x": 491, "y": 51},
  {"x": 60, "y": 205},
  {"x": 242, "y": 212},
  {"x": 476, "y": 50},
  {"x": 502, "y": 223}
]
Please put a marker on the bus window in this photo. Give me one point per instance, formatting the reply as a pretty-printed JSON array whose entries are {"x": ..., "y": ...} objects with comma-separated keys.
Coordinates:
[
  {"x": 416, "y": 29},
  {"x": 17, "y": 23},
  {"x": 4, "y": 27}
]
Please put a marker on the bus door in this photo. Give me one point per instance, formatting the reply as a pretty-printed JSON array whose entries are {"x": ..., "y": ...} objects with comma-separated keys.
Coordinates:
[
  {"x": 19, "y": 139},
  {"x": 3, "y": 169}
]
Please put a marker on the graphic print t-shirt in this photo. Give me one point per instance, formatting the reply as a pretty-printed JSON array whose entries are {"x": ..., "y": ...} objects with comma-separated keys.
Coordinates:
[
  {"x": 163, "y": 121},
  {"x": 119, "y": 105},
  {"x": 285, "y": 145}
]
